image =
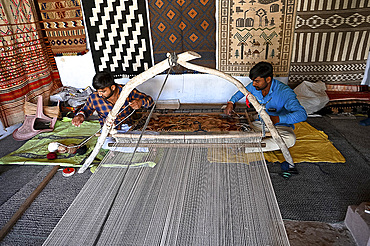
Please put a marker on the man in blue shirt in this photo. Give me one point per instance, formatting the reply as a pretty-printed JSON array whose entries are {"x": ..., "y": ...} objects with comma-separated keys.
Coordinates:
[{"x": 280, "y": 103}]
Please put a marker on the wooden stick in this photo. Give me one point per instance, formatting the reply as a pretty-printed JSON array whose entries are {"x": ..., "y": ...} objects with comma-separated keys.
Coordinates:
[
  {"x": 266, "y": 118},
  {"x": 248, "y": 118},
  {"x": 187, "y": 145},
  {"x": 130, "y": 85},
  {"x": 256, "y": 133},
  {"x": 5, "y": 230},
  {"x": 190, "y": 135}
]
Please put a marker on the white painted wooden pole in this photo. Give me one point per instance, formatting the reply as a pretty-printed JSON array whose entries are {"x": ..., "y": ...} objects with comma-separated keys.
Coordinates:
[
  {"x": 266, "y": 118},
  {"x": 129, "y": 86}
]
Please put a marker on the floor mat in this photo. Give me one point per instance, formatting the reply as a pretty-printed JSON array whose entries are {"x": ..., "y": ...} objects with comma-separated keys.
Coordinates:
[
  {"x": 311, "y": 146},
  {"x": 34, "y": 151}
]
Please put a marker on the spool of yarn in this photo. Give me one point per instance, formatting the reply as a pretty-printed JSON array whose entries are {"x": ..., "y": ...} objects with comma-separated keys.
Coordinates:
[
  {"x": 69, "y": 171},
  {"x": 51, "y": 155},
  {"x": 53, "y": 146}
]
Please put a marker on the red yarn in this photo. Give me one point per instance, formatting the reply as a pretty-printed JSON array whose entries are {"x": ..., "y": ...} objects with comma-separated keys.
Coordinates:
[{"x": 51, "y": 155}]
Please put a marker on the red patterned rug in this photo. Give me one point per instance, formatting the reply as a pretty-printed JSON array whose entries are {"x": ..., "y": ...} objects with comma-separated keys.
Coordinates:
[
  {"x": 26, "y": 67},
  {"x": 63, "y": 23}
]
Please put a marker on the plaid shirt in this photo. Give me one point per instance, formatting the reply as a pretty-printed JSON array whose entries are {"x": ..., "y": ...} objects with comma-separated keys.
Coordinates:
[{"x": 103, "y": 107}]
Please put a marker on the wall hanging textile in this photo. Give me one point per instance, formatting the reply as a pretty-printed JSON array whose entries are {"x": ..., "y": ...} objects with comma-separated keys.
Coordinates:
[
  {"x": 178, "y": 26},
  {"x": 119, "y": 36},
  {"x": 64, "y": 27},
  {"x": 26, "y": 67},
  {"x": 254, "y": 31},
  {"x": 331, "y": 41}
]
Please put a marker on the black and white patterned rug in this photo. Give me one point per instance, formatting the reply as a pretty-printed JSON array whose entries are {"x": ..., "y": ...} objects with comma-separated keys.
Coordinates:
[{"x": 119, "y": 36}]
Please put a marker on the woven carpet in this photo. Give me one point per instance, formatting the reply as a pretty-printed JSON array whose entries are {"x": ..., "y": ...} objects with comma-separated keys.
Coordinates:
[
  {"x": 63, "y": 23},
  {"x": 119, "y": 36},
  {"x": 178, "y": 26},
  {"x": 323, "y": 191},
  {"x": 254, "y": 31},
  {"x": 25, "y": 67},
  {"x": 331, "y": 41}
]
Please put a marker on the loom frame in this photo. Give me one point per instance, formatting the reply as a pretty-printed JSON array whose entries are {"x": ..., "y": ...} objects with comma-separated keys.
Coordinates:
[{"x": 182, "y": 59}]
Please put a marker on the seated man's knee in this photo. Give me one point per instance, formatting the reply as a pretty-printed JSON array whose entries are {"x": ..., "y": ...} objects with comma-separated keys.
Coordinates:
[{"x": 288, "y": 136}]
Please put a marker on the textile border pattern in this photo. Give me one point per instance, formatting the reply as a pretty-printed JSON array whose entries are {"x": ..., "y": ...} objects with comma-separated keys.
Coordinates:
[
  {"x": 178, "y": 26},
  {"x": 331, "y": 41},
  {"x": 255, "y": 31},
  {"x": 26, "y": 67},
  {"x": 64, "y": 27},
  {"x": 119, "y": 36}
]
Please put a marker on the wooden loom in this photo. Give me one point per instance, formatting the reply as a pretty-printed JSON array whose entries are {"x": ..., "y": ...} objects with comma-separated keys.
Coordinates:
[
  {"x": 161, "y": 67},
  {"x": 190, "y": 197}
]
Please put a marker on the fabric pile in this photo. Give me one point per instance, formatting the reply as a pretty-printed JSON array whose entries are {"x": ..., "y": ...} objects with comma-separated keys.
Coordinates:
[{"x": 72, "y": 96}]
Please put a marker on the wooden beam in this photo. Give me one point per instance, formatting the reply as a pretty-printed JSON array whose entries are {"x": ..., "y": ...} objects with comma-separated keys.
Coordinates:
[
  {"x": 13, "y": 220},
  {"x": 187, "y": 145}
]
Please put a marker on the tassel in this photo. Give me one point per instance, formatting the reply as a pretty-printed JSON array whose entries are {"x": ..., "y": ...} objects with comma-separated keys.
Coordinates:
[{"x": 247, "y": 101}]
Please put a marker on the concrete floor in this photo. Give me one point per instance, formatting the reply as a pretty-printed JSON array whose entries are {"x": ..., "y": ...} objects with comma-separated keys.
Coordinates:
[{"x": 303, "y": 233}]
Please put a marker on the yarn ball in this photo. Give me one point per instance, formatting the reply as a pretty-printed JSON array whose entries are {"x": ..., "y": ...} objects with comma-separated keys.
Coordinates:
[
  {"x": 51, "y": 155},
  {"x": 53, "y": 146},
  {"x": 81, "y": 150}
]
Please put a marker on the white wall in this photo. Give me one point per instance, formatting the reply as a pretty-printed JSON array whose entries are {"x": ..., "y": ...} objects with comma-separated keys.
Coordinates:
[{"x": 78, "y": 71}]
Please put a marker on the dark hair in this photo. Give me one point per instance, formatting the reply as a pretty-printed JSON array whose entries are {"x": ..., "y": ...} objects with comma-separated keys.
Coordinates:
[
  {"x": 261, "y": 69},
  {"x": 103, "y": 79}
]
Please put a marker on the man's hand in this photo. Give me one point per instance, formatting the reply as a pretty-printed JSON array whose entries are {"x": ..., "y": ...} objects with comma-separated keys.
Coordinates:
[
  {"x": 78, "y": 119},
  {"x": 136, "y": 104},
  {"x": 229, "y": 108},
  {"x": 275, "y": 119}
]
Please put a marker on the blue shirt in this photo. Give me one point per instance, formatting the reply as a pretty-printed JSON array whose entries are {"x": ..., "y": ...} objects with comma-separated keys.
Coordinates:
[{"x": 280, "y": 101}]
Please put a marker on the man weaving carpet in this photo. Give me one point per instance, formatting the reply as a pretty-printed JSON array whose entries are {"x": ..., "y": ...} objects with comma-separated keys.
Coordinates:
[
  {"x": 104, "y": 98},
  {"x": 280, "y": 103}
]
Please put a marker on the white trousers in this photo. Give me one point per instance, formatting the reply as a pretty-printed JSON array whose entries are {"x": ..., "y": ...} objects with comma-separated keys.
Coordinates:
[{"x": 286, "y": 133}]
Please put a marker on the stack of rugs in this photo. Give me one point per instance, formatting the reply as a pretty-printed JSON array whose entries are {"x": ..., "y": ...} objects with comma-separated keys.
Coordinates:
[{"x": 348, "y": 98}]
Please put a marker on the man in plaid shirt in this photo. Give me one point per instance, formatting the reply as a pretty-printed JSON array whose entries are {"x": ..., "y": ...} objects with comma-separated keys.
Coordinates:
[{"x": 104, "y": 98}]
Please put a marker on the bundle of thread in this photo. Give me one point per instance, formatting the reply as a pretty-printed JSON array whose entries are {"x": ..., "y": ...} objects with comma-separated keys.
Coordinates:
[
  {"x": 56, "y": 147},
  {"x": 51, "y": 155}
]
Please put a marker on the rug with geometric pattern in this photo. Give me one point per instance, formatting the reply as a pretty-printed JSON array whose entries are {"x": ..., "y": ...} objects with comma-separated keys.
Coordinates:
[
  {"x": 254, "y": 31},
  {"x": 178, "y": 26},
  {"x": 331, "y": 42},
  {"x": 119, "y": 36},
  {"x": 64, "y": 27}
]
